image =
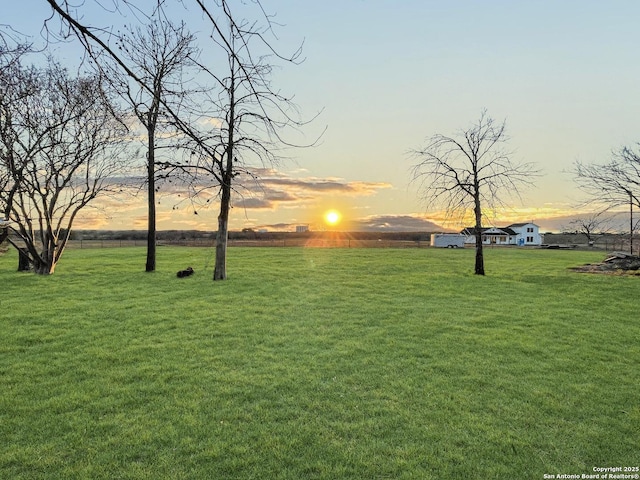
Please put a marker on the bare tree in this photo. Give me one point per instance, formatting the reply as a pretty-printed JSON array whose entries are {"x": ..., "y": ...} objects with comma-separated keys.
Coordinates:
[
  {"x": 253, "y": 114},
  {"x": 246, "y": 85},
  {"x": 250, "y": 117},
  {"x": 159, "y": 55},
  {"x": 59, "y": 139},
  {"x": 471, "y": 171},
  {"x": 591, "y": 225},
  {"x": 613, "y": 184}
]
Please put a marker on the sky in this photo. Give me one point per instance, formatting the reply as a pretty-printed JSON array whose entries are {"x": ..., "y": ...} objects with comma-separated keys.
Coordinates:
[{"x": 385, "y": 75}]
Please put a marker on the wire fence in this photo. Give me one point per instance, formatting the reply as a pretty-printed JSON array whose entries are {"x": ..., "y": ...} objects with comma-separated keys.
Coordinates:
[
  {"x": 290, "y": 242},
  {"x": 605, "y": 243}
]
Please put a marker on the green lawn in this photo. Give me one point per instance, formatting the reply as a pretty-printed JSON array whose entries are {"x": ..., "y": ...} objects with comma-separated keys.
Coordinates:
[{"x": 318, "y": 364}]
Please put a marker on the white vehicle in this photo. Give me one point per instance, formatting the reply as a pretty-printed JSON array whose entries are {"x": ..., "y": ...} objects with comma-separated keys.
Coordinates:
[{"x": 447, "y": 240}]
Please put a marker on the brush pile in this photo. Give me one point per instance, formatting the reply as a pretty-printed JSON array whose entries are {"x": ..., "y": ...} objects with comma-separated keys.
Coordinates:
[{"x": 616, "y": 262}]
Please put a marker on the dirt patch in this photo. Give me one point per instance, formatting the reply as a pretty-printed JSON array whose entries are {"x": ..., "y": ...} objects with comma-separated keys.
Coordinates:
[{"x": 615, "y": 263}]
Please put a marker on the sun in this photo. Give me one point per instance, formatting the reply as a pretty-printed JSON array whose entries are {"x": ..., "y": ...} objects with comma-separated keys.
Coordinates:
[{"x": 332, "y": 217}]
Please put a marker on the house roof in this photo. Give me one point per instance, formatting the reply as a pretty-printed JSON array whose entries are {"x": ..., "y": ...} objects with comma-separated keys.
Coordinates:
[
  {"x": 472, "y": 230},
  {"x": 495, "y": 231},
  {"x": 522, "y": 224}
]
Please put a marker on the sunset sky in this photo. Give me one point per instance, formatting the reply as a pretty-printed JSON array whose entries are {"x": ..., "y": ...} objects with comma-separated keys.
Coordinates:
[{"x": 388, "y": 74}]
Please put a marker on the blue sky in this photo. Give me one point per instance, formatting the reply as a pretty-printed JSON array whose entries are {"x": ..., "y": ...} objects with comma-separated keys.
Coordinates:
[{"x": 388, "y": 74}]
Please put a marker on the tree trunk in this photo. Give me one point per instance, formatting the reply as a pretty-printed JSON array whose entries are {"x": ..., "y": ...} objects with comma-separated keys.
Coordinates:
[
  {"x": 151, "y": 200},
  {"x": 24, "y": 261},
  {"x": 42, "y": 268},
  {"x": 479, "y": 269},
  {"x": 44, "y": 265},
  {"x": 630, "y": 223},
  {"x": 220, "y": 270},
  {"x": 479, "y": 257}
]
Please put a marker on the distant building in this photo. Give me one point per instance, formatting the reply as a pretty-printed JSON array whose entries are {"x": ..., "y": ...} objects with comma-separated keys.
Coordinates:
[
  {"x": 520, "y": 234},
  {"x": 302, "y": 228}
]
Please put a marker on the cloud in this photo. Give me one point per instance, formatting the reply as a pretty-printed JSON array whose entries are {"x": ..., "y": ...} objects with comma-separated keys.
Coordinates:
[
  {"x": 549, "y": 217},
  {"x": 274, "y": 189},
  {"x": 278, "y": 227},
  {"x": 260, "y": 189},
  {"x": 395, "y": 223},
  {"x": 90, "y": 222},
  {"x": 328, "y": 185},
  {"x": 212, "y": 122},
  {"x": 269, "y": 200},
  {"x": 610, "y": 222}
]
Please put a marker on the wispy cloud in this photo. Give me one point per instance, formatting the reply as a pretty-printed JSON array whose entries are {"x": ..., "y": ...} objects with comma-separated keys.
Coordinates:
[
  {"x": 275, "y": 189},
  {"x": 396, "y": 223}
]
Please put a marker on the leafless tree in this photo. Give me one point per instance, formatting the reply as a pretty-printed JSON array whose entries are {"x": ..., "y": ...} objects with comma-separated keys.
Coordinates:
[
  {"x": 159, "y": 54},
  {"x": 591, "y": 225},
  {"x": 613, "y": 184},
  {"x": 471, "y": 171},
  {"x": 245, "y": 91},
  {"x": 250, "y": 117},
  {"x": 59, "y": 139}
]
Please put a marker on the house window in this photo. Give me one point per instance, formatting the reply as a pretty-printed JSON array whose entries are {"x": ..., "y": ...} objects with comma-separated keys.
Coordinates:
[
  {"x": 529, "y": 229},
  {"x": 529, "y": 239}
]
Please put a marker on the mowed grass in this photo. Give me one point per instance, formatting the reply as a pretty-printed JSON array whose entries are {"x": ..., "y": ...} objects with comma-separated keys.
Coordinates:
[{"x": 318, "y": 364}]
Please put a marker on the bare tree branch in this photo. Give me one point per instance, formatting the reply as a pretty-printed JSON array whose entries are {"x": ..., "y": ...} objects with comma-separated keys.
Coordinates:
[{"x": 613, "y": 184}]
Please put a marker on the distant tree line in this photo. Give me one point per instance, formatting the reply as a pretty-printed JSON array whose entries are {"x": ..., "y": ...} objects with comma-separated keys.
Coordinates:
[{"x": 176, "y": 235}]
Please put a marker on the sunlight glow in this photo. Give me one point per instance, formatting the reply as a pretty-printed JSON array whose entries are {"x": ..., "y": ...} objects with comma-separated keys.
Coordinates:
[{"x": 332, "y": 217}]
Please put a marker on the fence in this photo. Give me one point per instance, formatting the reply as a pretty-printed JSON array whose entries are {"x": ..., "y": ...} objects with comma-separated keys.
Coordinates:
[
  {"x": 109, "y": 243},
  {"x": 289, "y": 242},
  {"x": 606, "y": 243}
]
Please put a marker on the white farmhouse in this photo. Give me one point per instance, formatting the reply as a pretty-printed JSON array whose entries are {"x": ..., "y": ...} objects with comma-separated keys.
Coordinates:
[
  {"x": 520, "y": 234},
  {"x": 526, "y": 234}
]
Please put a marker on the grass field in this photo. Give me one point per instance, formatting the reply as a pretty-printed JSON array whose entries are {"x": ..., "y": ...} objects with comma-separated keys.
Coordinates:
[{"x": 318, "y": 364}]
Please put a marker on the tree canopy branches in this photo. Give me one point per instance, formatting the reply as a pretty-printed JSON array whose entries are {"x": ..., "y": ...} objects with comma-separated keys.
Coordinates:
[
  {"x": 614, "y": 183},
  {"x": 453, "y": 170},
  {"x": 60, "y": 144},
  {"x": 470, "y": 171}
]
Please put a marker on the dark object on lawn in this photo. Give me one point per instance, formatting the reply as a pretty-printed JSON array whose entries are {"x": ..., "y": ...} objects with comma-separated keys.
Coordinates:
[
  {"x": 185, "y": 273},
  {"x": 616, "y": 262},
  {"x": 24, "y": 260}
]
